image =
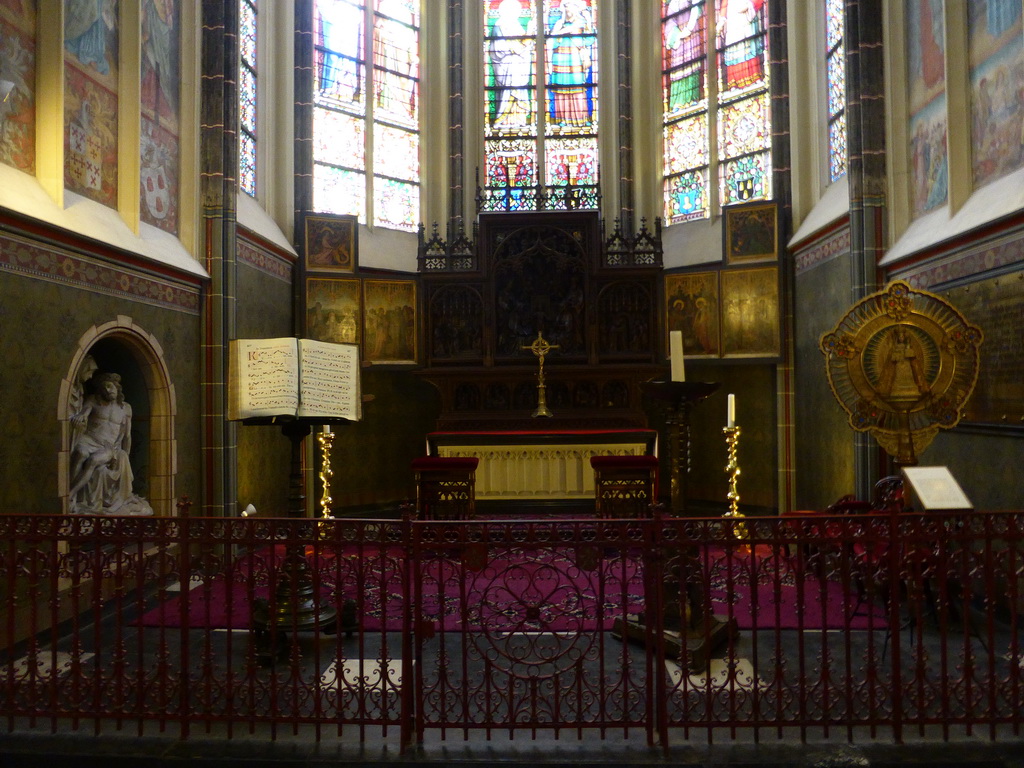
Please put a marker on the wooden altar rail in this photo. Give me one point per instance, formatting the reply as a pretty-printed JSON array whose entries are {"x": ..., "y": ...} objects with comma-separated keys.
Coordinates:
[{"x": 903, "y": 627}]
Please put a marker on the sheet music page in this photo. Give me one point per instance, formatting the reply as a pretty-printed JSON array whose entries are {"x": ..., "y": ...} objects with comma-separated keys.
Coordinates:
[
  {"x": 329, "y": 380},
  {"x": 263, "y": 378}
]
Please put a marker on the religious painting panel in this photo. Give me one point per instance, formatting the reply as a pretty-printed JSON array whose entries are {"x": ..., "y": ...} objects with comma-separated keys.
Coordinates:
[
  {"x": 926, "y": 100},
  {"x": 995, "y": 305},
  {"x": 330, "y": 243},
  {"x": 691, "y": 306},
  {"x": 18, "y": 85},
  {"x": 334, "y": 309},
  {"x": 91, "y": 99},
  {"x": 751, "y": 232},
  {"x": 389, "y": 321},
  {"x": 160, "y": 127},
  {"x": 750, "y": 312},
  {"x": 455, "y": 323},
  {"x": 996, "y": 51}
]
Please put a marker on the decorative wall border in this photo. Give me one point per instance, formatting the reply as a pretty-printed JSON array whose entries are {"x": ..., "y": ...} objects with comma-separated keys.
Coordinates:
[
  {"x": 982, "y": 258},
  {"x": 264, "y": 260},
  {"x": 827, "y": 248},
  {"x": 57, "y": 266}
]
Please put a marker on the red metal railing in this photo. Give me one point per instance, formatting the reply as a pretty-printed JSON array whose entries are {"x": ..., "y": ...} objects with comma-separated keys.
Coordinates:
[{"x": 850, "y": 628}]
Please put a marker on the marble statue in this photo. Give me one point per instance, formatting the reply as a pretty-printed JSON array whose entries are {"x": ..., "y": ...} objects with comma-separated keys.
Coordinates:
[{"x": 101, "y": 473}]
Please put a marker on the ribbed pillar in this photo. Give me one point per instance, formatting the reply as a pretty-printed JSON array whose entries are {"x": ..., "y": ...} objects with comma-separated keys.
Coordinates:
[
  {"x": 219, "y": 184},
  {"x": 865, "y": 120},
  {"x": 624, "y": 81},
  {"x": 782, "y": 184},
  {"x": 456, "y": 114},
  {"x": 303, "y": 88}
]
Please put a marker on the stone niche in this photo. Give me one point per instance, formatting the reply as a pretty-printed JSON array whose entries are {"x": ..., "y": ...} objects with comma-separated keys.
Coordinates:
[{"x": 121, "y": 347}]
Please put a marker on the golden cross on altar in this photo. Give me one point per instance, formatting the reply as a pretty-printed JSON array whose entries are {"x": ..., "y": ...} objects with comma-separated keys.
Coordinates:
[{"x": 540, "y": 347}]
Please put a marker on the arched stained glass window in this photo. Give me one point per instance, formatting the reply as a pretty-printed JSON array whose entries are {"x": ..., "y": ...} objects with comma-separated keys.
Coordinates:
[
  {"x": 720, "y": 127},
  {"x": 366, "y": 111},
  {"x": 835, "y": 67},
  {"x": 247, "y": 96},
  {"x": 540, "y": 144}
]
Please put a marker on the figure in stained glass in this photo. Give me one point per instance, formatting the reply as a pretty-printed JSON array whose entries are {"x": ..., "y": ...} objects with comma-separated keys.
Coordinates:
[
  {"x": 511, "y": 57},
  {"x": 742, "y": 42},
  {"x": 684, "y": 50},
  {"x": 341, "y": 33},
  {"x": 572, "y": 42},
  {"x": 396, "y": 61}
]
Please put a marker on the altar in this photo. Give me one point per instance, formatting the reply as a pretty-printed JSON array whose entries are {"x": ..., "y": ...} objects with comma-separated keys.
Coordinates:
[{"x": 539, "y": 465}]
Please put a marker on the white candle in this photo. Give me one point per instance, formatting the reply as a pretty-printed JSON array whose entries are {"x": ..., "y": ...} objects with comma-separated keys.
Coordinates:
[
  {"x": 731, "y": 412},
  {"x": 327, "y": 429},
  {"x": 676, "y": 355}
]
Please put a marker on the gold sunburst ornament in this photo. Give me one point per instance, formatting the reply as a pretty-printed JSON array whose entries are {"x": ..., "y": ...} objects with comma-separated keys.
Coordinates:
[{"x": 902, "y": 363}]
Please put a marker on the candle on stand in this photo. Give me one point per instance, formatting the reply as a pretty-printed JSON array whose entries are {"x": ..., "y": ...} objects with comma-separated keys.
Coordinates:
[
  {"x": 731, "y": 412},
  {"x": 676, "y": 355},
  {"x": 327, "y": 429}
]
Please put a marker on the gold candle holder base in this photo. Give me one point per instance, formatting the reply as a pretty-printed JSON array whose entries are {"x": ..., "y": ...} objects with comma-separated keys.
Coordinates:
[
  {"x": 326, "y": 439},
  {"x": 732, "y": 439}
]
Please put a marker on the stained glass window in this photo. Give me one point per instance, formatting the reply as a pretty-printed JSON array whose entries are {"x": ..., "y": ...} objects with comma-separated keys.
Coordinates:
[
  {"x": 366, "y": 110},
  {"x": 540, "y": 144},
  {"x": 835, "y": 73},
  {"x": 732, "y": 110},
  {"x": 247, "y": 96}
]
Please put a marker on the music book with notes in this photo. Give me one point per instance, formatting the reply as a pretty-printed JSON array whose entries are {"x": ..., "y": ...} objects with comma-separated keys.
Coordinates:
[{"x": 289, "y": 376}]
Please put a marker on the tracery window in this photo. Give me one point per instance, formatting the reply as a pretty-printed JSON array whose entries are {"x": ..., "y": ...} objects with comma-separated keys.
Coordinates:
[
  {"x": 366, "y": 110},
  {"x": 540, "y": 143},
  {"x": 714, "y": 128},
  {"x": 835, "y": 68},
  {"x": 247, "y": 96}
]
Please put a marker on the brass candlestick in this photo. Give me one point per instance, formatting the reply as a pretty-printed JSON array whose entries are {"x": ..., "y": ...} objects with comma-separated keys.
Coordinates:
[
  {"x": 325, "y": 438},
  {"x": 732, "y": 439}
]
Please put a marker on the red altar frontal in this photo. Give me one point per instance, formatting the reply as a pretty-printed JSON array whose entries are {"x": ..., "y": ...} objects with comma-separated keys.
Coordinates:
[{"x": 540, "y": 465}]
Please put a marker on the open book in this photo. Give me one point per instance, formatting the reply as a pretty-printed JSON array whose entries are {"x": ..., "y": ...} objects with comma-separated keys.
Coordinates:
[{"x": 293, "y": 377}]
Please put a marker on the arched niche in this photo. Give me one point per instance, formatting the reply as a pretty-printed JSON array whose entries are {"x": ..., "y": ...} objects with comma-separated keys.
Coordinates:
[{"x": 123, "y": 347}]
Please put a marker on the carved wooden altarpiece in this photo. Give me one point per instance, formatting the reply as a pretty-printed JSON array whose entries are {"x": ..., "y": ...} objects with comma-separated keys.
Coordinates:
[{"x": 594, "y": 298}]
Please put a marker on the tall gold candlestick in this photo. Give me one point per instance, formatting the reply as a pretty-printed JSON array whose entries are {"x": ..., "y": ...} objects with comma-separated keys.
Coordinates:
[
  {"x": 326, "y": 438},
  {"x": 732, "y": 439}
]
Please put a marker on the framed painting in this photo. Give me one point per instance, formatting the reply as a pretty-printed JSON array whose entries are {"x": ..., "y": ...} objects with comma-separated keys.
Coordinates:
[
  {"x": 389, "y": 321},
  {"x": 691, "y": 306},
  {"x": 330, "y": 243},
  {"x": 334, "y": 309},
  {"x": 750, "y": 312},
  {"x": 751, "y": 232}
]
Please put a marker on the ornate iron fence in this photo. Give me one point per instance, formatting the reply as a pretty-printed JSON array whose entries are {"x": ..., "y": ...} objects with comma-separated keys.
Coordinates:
[{"x": 659, "y": 630}]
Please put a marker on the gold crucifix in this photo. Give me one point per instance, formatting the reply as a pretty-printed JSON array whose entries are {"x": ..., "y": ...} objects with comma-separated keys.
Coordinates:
[{"x": 540, "y": 347}]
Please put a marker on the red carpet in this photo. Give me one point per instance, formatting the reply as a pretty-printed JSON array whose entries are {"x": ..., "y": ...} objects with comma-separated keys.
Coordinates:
[{"x": 538, "y": 590}]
